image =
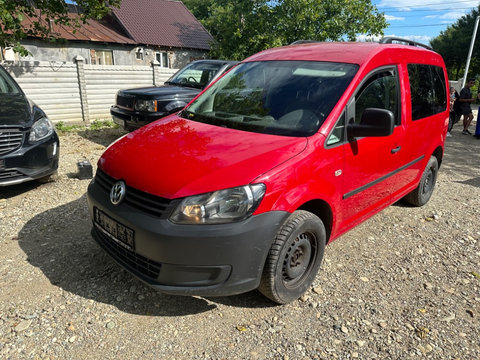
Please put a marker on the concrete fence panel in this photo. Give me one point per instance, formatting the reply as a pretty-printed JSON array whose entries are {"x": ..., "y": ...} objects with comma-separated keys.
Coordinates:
[
  {"x": 51, "y": 85},
  {"x": 80, "y": 93}
]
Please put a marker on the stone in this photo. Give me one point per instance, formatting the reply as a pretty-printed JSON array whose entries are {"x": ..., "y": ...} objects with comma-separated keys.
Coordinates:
[
  {"x": 361, "y": 343},
  {"x": 23, "y": 325},
  {"x": 110, "y": 325}
]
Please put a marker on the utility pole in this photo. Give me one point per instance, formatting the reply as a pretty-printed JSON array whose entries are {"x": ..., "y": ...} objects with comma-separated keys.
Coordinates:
[{"x": 470, "y": 51}]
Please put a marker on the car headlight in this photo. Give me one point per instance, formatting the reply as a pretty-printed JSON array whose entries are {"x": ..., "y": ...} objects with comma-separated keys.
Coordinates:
[
  {"x": 219, "y": 207},
  {"x": 41, "y": 129},
  {"x": 146, "y": 105}
]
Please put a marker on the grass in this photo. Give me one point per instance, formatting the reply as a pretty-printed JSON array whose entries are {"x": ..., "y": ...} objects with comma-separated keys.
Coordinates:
[{"x": 94, "y": 125}]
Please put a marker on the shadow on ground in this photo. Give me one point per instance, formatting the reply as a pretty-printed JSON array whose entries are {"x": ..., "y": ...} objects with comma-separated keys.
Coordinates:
[
  {"x": 462, "y": 156},
  {"x": 17, "y": 190},
  {"x": 59, "y": 243},
  {"x": 104, "y": 136}
]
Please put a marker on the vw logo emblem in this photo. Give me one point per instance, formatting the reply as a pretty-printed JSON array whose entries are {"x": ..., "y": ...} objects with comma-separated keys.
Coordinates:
[{"x": 117, "y": 193}]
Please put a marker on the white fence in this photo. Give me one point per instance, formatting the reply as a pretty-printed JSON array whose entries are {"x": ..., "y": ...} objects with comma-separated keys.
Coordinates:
[{"x": 80, "y": 93}]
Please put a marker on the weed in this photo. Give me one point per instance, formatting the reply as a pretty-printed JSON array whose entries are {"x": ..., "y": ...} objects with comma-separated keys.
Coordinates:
[{"x": 94, "y": 125}]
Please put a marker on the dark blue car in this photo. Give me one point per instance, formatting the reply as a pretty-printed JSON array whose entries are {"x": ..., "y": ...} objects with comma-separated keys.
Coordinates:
[{"x": 137, "y": 107}]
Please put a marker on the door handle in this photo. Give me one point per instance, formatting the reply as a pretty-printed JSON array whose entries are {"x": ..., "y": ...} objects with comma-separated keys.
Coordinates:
[{"x": 397, "y": 149}]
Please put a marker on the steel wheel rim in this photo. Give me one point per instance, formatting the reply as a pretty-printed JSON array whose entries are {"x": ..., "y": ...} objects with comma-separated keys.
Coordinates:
[
  {"x": 428, "y": 185},
  {"x": 299, "y": 259}
]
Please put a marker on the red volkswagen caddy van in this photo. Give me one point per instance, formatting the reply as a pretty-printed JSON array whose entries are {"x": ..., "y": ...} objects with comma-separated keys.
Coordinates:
[{"x": 289, "y": 150}]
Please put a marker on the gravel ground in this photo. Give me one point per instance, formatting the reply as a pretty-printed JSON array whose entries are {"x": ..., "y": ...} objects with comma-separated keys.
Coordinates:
[{"x": 405, "y": 284}]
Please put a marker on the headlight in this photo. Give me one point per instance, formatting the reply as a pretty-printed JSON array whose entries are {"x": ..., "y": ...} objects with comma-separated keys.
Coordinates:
[
  {"x": 219, "y": 207},
  {"x": 146, "y": 105},
  {"x": 41, "y": 129}
]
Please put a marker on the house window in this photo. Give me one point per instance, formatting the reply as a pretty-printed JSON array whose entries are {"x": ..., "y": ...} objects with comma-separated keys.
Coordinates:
[
  {"x": 139, "y": 54},
  {"x": 101, "y": 57},
  {"x": 162, "y": 58}
]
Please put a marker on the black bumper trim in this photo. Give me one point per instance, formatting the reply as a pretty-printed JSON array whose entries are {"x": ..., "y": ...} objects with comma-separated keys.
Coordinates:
[{"x": 204, "y": 260}]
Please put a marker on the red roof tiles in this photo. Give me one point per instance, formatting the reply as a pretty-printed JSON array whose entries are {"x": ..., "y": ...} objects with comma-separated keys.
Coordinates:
[
  {"x": 162, "y": 22},
  {"x": 102, "y": 30}
]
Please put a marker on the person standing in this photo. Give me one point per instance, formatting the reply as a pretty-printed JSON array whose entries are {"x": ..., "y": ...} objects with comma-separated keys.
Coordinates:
[
  {"x": 466, "y": 100},
  {"x": 477, "y": 128},
  {"x": 452, "y": 111}
]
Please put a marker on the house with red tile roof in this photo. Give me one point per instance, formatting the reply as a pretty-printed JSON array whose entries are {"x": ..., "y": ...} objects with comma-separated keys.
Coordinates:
[{"x": 137, "y": 33}]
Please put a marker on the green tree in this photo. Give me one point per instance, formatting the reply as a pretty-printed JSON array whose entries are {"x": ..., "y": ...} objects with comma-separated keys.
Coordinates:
[
  {"x": 453, "y": 44},
  {"x": 12, "y": 13},
  {"x": 245, "y": 27}
]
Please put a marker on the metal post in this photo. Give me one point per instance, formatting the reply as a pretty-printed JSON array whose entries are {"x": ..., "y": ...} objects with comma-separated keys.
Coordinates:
[
  {"x": 470, "y": 51},
  {"x": 82, "y": 87},
  {"x": 155, "y": 66}
]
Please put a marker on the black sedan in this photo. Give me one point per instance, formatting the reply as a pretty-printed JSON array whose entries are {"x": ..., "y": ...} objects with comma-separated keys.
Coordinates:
[
  {"x": 29, "y": 145},
  {"x": 140, "y": 106}
]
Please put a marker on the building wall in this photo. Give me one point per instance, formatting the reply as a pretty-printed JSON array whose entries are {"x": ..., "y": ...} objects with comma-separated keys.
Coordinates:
[
  {"x": 75, "y": 92},
  {"x": 122, "y": 54}
]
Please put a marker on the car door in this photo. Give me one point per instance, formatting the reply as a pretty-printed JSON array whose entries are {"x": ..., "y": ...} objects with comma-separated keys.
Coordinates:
[{"x": 369, "y": 170}]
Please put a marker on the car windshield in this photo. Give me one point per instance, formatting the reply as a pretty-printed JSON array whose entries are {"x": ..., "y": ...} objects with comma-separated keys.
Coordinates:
[
  {"x": 7, "y": 85},
  {"x": 291, "y": 98},
  {"x": 196, "y": 75}
]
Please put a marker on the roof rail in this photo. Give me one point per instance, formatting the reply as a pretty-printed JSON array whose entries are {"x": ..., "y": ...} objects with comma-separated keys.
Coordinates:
[
  {"x": 391, "y": 39},
  {"x": 304, "y": 42}
]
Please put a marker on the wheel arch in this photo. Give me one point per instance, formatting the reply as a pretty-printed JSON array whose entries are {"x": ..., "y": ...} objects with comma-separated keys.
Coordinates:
[
  {"x": 323, "y": 210},
  {"x": 438, "y": 153}
]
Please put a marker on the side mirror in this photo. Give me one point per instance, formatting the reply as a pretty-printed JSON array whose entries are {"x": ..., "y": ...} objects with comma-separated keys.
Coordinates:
[{"x": 374, "y": 122}]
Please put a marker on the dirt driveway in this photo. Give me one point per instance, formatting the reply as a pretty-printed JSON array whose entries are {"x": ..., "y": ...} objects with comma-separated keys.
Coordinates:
[{"x": 405, "y": 284}]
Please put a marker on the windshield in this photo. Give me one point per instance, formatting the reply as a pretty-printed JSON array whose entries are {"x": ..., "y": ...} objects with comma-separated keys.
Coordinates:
[
  {"x": 291, "y": 98},
  {"x": 7, "y": 85},
  {"x": 196, "y": 75}
]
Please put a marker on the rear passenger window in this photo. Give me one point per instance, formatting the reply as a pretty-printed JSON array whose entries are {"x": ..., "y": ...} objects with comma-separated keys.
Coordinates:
[{"x": 428, "y": 90}]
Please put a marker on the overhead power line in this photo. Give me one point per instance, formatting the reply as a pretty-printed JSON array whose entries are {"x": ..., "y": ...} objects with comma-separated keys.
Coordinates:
[
  {"x": 422, "y": 6},
  {"x": 423, "y": 10},
  {"x": 415, "y": 26}
]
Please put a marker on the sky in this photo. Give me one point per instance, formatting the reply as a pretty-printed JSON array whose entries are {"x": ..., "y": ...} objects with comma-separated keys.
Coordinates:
[{"x": 422, "y": 20}]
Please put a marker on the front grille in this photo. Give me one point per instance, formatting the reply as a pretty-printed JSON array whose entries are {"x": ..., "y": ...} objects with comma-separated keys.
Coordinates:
[
  {"x": 151, "y": 204},
  {"x": 11, "y": 175},
  {"x": 125, "y": 101},
  {"x": 10, "y": 140},
  {"x": 139, "y": 263}
]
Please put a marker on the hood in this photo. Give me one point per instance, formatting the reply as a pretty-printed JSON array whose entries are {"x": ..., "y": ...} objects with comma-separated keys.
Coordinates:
[
  {"x": 175, "y": 157},
  {"x": 15, "y": 110},
  {"x": 167, "y": 92}
]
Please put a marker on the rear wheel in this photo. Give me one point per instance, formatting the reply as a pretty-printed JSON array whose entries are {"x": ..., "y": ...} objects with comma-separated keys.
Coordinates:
[
  {"x": 424, "y": 190},
  {"x": 294, "y": 258}
]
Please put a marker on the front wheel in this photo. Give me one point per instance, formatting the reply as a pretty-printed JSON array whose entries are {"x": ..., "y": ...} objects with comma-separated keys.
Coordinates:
[
  {"x": 294, "y": 258},
  {"x": 424, "y": 190}
]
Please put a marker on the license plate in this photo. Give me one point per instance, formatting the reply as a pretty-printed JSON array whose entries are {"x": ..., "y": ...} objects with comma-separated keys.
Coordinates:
[{"x": 120, "y": 233}]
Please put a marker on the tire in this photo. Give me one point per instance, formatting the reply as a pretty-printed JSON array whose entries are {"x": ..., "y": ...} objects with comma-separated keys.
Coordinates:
[
  {"x": 424, "y": 190},
  {"x": 299, "y": 242}
]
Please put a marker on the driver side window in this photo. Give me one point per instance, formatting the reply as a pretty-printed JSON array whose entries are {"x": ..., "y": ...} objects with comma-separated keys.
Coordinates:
[{"x": 379, "y": 91}]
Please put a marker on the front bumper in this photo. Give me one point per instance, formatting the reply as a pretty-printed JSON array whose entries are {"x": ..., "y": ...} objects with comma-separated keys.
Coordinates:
[
  {"x": 129, "y": 119},
  {"x": 206, "y": 260},
  {"x": 30, "y": 162}
]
